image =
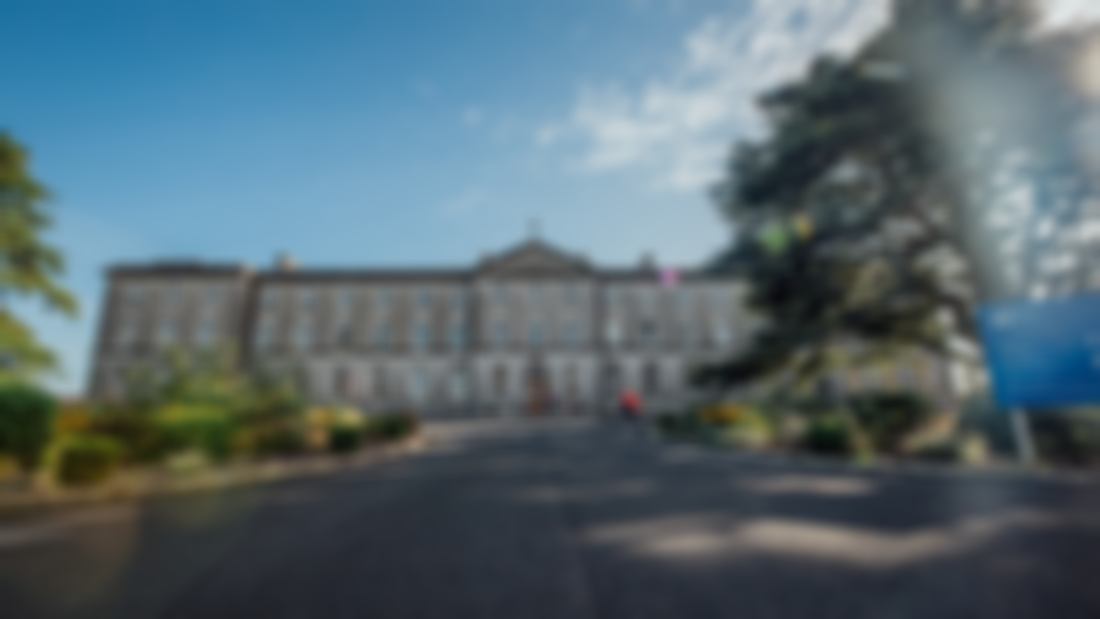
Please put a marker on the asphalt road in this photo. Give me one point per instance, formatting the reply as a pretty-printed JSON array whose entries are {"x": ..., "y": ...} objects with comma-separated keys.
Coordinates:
[{"x": 549, "y": 519}]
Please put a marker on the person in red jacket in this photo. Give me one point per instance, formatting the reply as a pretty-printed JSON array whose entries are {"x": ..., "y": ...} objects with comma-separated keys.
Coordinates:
[{"x": 631, "y": 404}]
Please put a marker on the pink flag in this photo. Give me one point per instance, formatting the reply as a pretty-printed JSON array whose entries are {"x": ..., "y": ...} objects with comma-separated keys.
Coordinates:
[{"x": 670, "y": 278}]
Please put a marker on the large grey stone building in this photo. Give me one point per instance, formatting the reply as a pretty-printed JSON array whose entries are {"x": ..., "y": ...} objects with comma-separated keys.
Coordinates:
[{"x": 534, "y": 328}]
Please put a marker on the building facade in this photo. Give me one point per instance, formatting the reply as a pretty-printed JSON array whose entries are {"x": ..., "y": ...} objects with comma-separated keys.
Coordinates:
[{"x": 534, "y": 329}]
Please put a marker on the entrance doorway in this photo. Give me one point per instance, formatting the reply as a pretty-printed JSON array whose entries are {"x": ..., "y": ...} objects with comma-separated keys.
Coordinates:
[{"x": 539, "y": 389}]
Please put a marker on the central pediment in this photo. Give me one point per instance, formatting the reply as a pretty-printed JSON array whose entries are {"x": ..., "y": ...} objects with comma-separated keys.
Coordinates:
[{"x": 534, "y": 258}]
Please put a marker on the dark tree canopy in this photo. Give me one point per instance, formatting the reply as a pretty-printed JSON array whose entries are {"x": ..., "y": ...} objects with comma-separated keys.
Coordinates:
[{"x": 856, "y": 215}]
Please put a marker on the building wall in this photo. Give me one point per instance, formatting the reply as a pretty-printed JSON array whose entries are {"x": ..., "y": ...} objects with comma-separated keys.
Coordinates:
[{"x": 531, "y": 328}]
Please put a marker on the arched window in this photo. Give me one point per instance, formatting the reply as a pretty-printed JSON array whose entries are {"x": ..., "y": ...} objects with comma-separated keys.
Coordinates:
[
  {"x": 573, "y": 294},
  {"x": 381, "y": 337},
  {"x": 303, "y": 335},
  {"x": 306, "y": 299},
  {"x": 571, "y": 383},
  {"x": 613, "y": 332},
  {"x": 458, "y": 388},
  {"x": 416, "y": 385},
  {"x": 651, "y": 378},
  {"x": 341, "y": 382},
  {"x": 648, "y": 332},
  {"x": 425, "y": 299},
  {"x": 345, "y": 301},
  {"x": 382, "y": 300},
  {"x": 166, "y": 335},
  {"x": 458, "y": 336},
  {"x": 612, "y": 377},
  {"x": 422, "y": 336},
  {"x": 380, "y": 387},
  {"x": 500, "y": 381}
]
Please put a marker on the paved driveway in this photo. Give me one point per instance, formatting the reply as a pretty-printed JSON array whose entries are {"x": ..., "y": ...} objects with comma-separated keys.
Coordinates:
[{"x": 540, "y": 518}]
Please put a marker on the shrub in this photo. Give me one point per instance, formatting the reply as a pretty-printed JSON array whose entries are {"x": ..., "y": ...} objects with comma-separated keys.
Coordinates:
[
  {"x": 88, "y": 460},
  {"x": 142, "y": 437},
  {"x": 205, "y": 429},
  {"x": 889, "y": 417},
  {"x": 678, "y": 423},
  {"x": 73, "y": 419},
  {"x": 830, "y": 434},
  {"x": 391, "y": 427},
  {"x": 747, "y": 436},
  {"x": 9, "y": 469},
  {"x": 346, "y": 439},
  {"x": 321, "y": 417},
  {"x": 1067, "y": 438},
  {"x": 725, "y": 414},
  {"x": 26, "y": 422},
  {"x": 281, "y": 440}
]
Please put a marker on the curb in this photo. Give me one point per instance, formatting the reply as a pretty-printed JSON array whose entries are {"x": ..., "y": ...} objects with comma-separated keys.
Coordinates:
[
  {"x": 896, "y": 467},
  {"x": 151, "y": 484}
]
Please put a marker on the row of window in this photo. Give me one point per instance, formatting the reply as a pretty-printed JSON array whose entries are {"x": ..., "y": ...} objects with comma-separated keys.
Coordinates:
[
  {"x": 456, "y": 337},
  {"x": 304, "y": 337},
  {"x": 173, "y": 295},
  {"x": 383, "y": 297},
  {"x": 503, "y": 382},
  {"x": 171, "y": 299},
  {"x": 202, "y": 334}
]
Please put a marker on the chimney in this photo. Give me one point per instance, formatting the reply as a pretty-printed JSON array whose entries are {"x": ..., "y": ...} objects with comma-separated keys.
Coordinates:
[
  {"x": 649, "y": 263},
  {"x": 285, "y": 263}
]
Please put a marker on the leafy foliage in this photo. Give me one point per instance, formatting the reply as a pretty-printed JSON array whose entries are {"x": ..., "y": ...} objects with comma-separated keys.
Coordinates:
[
  {"x": 202, "y": 429},
  {"x": 26, "y": 422},
  {"x": 346, "y": 439},
  {"x": 1068, "y": 438},
  {"x": 392, "y": 426},
  {"x": 85, "y": 460},
  {"x": 29, "y": 267},
  {"x": 889, "y": 417},
  {"x": 679, "y": 423},
  {"x": 831, "y": 435},
  {"x": 853, "y": 215},
  {"x": 137, "y": 430}
]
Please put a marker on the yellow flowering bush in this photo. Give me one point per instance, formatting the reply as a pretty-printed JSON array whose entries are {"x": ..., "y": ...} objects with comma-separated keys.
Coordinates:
[
  {"x": 738, "y": 425},
  {"x": 348, "y": 418},
  {"x": 72, "y": 419},
  {"x": 319, "y": 416},
  {"x": 725, "y": 414}
]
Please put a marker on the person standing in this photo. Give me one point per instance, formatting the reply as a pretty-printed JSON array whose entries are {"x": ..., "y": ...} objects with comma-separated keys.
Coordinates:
[{"x": 630, "y": 404}]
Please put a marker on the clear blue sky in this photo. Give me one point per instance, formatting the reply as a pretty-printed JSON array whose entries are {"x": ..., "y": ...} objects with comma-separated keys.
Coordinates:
[{"x": 379, "y": 132}]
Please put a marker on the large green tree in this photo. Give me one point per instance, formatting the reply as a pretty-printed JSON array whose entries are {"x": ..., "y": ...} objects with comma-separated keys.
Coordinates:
[
  {"x": 855, "y": 216},
  {"x": 29, "y": 267}
]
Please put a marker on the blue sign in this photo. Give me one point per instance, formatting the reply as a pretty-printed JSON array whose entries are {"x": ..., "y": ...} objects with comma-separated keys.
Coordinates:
[{"x": 1044, "y": 353}]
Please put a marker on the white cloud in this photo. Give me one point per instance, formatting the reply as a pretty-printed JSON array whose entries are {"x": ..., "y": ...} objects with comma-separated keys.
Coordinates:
[
  {"x": 679, "y": 127},
  {"x": 1059, "y": 14}
]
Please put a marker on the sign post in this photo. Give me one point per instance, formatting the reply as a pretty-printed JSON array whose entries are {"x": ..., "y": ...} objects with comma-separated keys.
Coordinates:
[
  {"x": 1042, "y": 354},
  {"x": 1021, "y": 432}
]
